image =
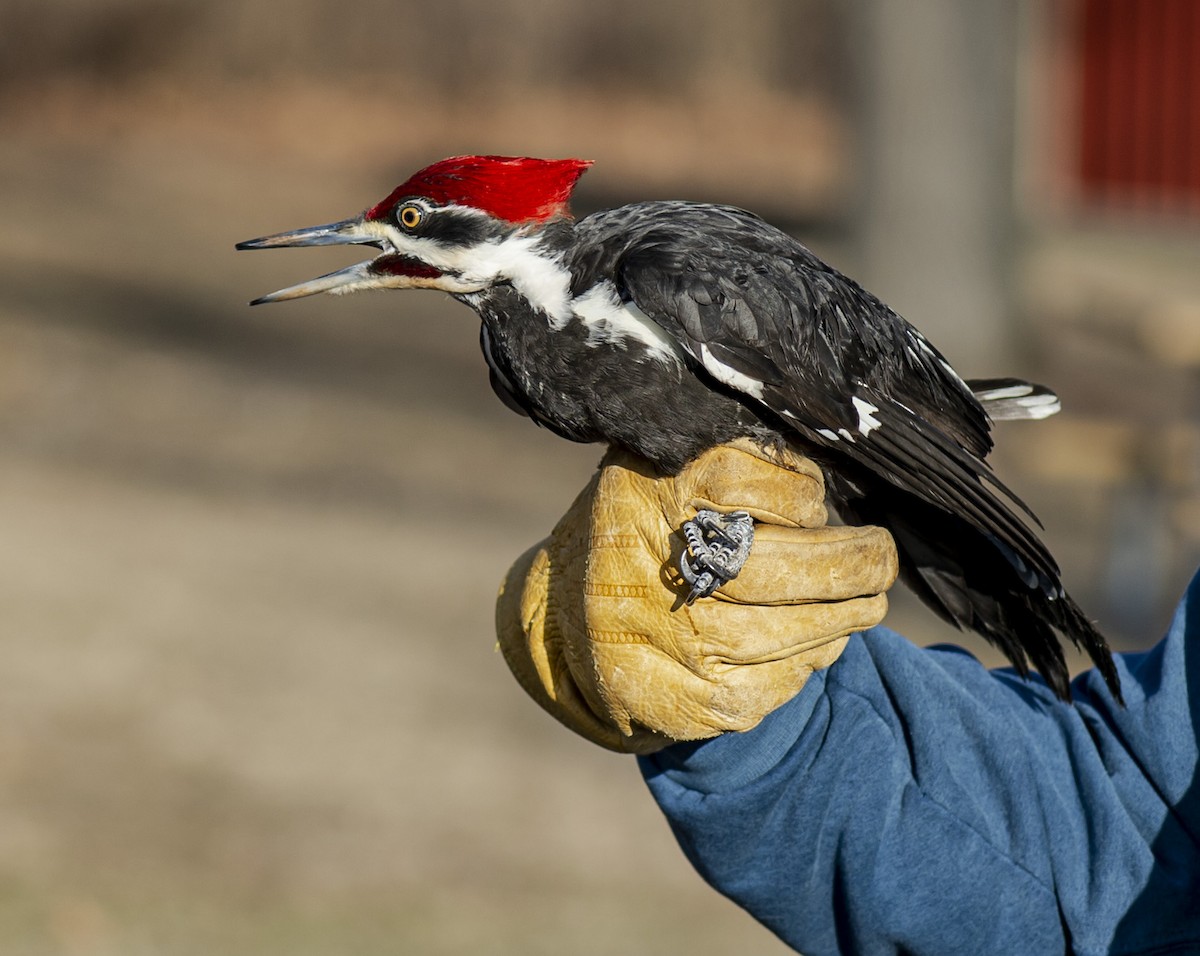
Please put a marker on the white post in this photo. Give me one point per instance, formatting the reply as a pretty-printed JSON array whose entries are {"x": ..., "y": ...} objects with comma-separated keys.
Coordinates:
[{"x": 936, "y": 108}]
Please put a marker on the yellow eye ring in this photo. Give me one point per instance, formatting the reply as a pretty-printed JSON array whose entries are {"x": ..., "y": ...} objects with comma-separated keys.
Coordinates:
[{"x": 409, "y": 217}]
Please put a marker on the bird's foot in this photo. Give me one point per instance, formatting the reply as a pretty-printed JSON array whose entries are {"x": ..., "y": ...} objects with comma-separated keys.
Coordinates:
[{"x": 717, "y": 547}]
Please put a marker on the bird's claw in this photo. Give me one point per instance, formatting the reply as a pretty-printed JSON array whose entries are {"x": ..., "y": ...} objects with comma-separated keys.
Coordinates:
[{"x": 717, "y": 547}]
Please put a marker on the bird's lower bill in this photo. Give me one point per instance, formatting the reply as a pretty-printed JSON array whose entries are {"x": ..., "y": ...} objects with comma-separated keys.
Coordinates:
[{"x": 362, "y": 276}]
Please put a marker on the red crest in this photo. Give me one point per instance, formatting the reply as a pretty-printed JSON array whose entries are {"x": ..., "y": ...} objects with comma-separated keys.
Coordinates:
[{"x": 515, "y": 188}]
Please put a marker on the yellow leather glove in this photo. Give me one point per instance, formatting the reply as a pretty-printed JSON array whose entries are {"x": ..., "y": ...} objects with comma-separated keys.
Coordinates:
[{"x": 593, "y": 624}]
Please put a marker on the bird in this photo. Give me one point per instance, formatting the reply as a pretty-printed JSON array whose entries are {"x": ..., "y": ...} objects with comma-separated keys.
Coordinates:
[{"x": 669, "y": 327}]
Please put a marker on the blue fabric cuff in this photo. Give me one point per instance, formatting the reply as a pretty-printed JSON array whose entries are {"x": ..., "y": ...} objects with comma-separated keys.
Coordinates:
[{"x": 734, "y": 760}]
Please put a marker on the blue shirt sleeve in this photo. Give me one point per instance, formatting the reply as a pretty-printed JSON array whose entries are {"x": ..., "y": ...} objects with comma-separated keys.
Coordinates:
[{"x": 910, "y": 801}]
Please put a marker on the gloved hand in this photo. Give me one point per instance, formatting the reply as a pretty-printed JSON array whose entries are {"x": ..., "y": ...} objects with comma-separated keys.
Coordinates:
[{"x": 593, "y": 624}]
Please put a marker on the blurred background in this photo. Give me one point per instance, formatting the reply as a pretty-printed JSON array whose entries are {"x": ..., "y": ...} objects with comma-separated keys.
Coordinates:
[{"x": 249, "y": 700}]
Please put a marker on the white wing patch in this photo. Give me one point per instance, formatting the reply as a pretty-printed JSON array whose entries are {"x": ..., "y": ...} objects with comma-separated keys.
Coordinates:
[
  {"x": 866, "y": 423},
  {"x": 728, "y": 375},
  {"x": 921, "y": 342},
  {"x": 919, "y": 346},
  {"x": 949, "y": 369},
  {"x": 610, "y": 321}
]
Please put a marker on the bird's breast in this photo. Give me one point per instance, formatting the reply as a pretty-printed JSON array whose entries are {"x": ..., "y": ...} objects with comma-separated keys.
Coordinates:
[{"x": 611, "y": 375}]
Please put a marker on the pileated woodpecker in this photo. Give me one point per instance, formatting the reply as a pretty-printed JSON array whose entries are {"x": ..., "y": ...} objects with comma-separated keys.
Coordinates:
[{"x": 669, "y": 327}]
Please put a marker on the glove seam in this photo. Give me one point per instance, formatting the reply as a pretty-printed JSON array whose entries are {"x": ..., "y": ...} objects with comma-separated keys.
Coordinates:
[{"x": 624, "y": 638}]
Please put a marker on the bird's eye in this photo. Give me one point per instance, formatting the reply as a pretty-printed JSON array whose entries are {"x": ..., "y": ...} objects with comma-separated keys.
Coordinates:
[{"x": 409, "y": 217}]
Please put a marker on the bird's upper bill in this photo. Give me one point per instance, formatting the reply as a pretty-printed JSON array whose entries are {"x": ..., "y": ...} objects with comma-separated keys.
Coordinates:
[{"x": 428, "y": 227}]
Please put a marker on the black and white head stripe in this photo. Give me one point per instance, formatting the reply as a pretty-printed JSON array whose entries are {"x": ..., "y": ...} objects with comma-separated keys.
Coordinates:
[{"x": 447, "y": 226}]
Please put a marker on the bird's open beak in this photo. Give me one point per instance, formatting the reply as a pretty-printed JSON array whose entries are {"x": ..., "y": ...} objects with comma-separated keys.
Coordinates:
[
  {"x": 387, "y": 271},
  {"x": 345, "y": 233}
]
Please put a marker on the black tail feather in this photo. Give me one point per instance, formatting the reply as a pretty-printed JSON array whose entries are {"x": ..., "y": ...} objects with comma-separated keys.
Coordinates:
[
  {"x": 961, "y": 575},
  {"x": 1010, "y": 399}
]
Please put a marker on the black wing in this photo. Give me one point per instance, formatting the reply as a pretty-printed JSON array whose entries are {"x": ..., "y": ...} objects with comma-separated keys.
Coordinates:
[
  {"x": 762, "y": 303},
  {"x": 761, "y": 314}
]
